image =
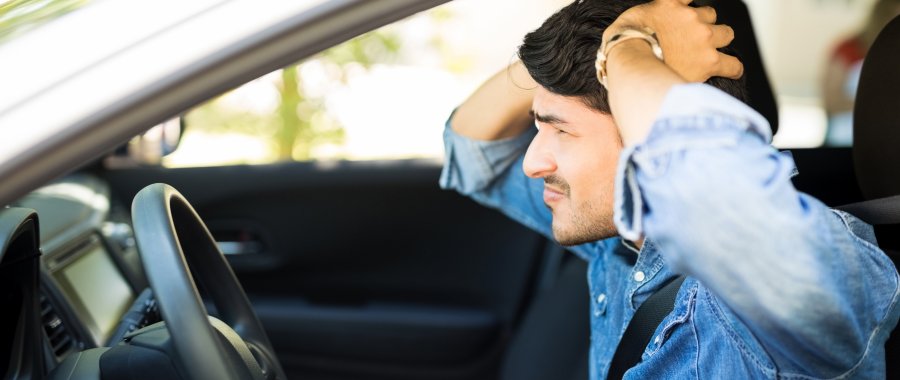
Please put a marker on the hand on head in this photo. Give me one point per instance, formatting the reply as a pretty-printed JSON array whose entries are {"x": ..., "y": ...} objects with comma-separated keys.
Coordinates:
[{"x": 689, "y": 38}]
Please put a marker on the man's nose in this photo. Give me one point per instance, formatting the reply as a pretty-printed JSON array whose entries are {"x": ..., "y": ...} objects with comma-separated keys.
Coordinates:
[{"x": 539, "y": 161}]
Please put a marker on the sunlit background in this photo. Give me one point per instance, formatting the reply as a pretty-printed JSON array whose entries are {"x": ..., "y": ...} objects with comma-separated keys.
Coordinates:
[
  {"x": 387, "y": 94},
  {"x": 383, "y": 95}
]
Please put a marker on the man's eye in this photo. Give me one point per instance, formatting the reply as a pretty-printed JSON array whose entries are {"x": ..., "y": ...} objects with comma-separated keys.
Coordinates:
[{"x": 561, "y": 132}]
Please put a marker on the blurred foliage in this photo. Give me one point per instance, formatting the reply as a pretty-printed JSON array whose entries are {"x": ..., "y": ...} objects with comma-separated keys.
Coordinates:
[
  {"x": 452, "y": 60},
  {"x": 381, "y": 46},
  {"x": 304, "y": 122},
  {"x": 300, "y": 122},
  {"x": 19, "y": 16}
]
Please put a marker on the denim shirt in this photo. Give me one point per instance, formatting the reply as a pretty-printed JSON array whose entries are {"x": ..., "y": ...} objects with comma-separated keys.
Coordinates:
[{"x": 778, "y": 285}]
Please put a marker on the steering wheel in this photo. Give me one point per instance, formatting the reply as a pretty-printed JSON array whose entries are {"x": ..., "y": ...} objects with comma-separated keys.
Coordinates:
[{"x": 174, "y": 243}]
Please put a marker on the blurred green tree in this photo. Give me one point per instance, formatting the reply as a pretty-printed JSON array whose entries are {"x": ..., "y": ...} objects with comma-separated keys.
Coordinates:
[
  {"x": 304, "y": 124},
  {"x": 300, "y": 122},
  {"x": 19, "y": 16}
]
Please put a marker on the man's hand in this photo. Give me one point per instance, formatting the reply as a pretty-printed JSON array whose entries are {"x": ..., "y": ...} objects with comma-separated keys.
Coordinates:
[
  {"x": 638, "y": 82},
  {"x": 688, "y": 36}
]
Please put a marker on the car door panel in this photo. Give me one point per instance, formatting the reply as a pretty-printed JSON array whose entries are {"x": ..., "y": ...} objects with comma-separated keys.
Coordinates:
[
  {"x": 364, "y": 269},
  {"x": 386, "y": 333}
]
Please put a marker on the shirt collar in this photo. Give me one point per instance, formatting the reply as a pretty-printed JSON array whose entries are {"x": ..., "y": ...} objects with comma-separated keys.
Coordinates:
[{"x": 633, "y": 247}]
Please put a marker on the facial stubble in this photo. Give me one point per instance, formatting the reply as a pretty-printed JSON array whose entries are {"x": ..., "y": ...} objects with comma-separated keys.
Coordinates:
[{"x": 588, "y": 220}]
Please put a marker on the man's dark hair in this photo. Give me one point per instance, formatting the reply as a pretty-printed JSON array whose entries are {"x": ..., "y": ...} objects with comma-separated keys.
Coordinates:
[{"x": 560, "y": 54}]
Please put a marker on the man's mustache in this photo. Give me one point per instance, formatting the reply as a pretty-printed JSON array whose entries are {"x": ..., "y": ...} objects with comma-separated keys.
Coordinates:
[{"x": 557, "y": 182}]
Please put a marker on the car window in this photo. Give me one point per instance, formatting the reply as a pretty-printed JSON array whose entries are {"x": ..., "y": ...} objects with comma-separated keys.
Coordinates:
[
  {"x": 383, "y": 95},
  {"x": 387, "y": 93},
  {"x": 813, "y": 50}
]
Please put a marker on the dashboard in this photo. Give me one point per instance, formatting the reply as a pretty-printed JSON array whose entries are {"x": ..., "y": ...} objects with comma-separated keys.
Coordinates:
[
  {"x": 93, "y": 286},
  {"x": 89, "y": 282}
]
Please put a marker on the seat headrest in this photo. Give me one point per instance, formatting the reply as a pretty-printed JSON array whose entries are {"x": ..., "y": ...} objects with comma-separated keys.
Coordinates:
[
  {"x": 876, "y": 117},
  {"x": 761, "y": 97}
]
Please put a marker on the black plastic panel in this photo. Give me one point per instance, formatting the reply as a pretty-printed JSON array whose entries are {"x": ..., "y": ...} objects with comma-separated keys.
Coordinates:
[
  {"x": 365, "y": 269},
  {"x": 20, "y": 321},
  {"x": 827, "y": 174}
]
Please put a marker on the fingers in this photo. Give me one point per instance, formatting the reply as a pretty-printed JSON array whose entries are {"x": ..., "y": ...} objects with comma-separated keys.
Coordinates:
[
  {"x": 728, "y": 67},
  {"x": 721, "y": 36},
  {"x": 706, "y": 14}
]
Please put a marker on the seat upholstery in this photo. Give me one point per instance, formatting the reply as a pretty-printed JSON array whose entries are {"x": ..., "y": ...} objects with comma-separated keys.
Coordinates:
[
  {"x": 554, "y": 336},
  {"x": 761, "y": 97},
  {"x": 876, "y": 134},
  {"x": 876, "y": 144}
]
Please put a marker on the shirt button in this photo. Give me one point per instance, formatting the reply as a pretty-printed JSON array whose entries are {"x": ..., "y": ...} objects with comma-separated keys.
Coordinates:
[
  {"x": 600, "y": 308},
  {"x": 639, "y": 276}
]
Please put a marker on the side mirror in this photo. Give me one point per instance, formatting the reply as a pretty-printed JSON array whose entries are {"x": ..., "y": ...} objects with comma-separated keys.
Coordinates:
[{"x": 149, "y": 147}]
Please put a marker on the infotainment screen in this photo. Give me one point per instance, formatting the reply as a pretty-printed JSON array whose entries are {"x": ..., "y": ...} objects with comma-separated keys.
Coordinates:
[{"x": 96, "y": 288}]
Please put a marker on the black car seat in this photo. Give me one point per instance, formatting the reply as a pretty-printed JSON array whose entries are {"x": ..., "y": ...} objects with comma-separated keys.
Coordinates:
[
  {"x": 553, "y": 338},
  {"x": 876, "y": 153},
  {"x": 760, "y": 95},
  {"x": 876, "y": 134}
]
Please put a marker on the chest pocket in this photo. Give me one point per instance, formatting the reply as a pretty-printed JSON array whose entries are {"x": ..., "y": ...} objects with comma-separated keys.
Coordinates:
[{"x": 677, "y": 320}]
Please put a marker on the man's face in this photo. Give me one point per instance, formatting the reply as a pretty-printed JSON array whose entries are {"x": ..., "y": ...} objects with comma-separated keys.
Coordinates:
[{"x": 575, "y": 152}]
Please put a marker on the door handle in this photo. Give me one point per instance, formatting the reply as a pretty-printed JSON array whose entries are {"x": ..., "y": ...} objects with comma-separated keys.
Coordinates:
[{"x": 247, "y": 247}]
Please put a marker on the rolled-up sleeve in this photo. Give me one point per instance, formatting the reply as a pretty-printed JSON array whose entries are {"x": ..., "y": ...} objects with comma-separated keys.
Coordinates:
[
  {"x": 473, "y": 165},
  {"x": 490, "y": 172},
  {"x": 717, "y": 199}
]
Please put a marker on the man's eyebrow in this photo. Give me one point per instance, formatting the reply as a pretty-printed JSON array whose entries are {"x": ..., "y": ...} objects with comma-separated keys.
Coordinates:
[{"x": 547, "y": 119}]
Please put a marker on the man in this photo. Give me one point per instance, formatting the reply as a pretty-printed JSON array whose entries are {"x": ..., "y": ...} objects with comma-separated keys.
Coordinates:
[{"x": 658, "y": 178}]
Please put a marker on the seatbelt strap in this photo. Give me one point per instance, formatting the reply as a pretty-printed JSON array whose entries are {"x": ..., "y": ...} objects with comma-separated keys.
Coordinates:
[
  {"x": 639, "y": 331},
  {"x": 879, "y": 211}
]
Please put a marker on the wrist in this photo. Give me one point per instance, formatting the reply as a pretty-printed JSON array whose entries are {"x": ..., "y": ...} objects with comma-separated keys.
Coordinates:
[
  {"x": 634, "y": 53},
  {"x": 627, "y": 36},
  {"x": 632, "y": 49}
]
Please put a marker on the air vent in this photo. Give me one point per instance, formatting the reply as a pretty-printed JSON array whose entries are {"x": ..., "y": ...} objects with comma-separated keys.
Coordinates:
[{"x": 60, "y": 338}]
